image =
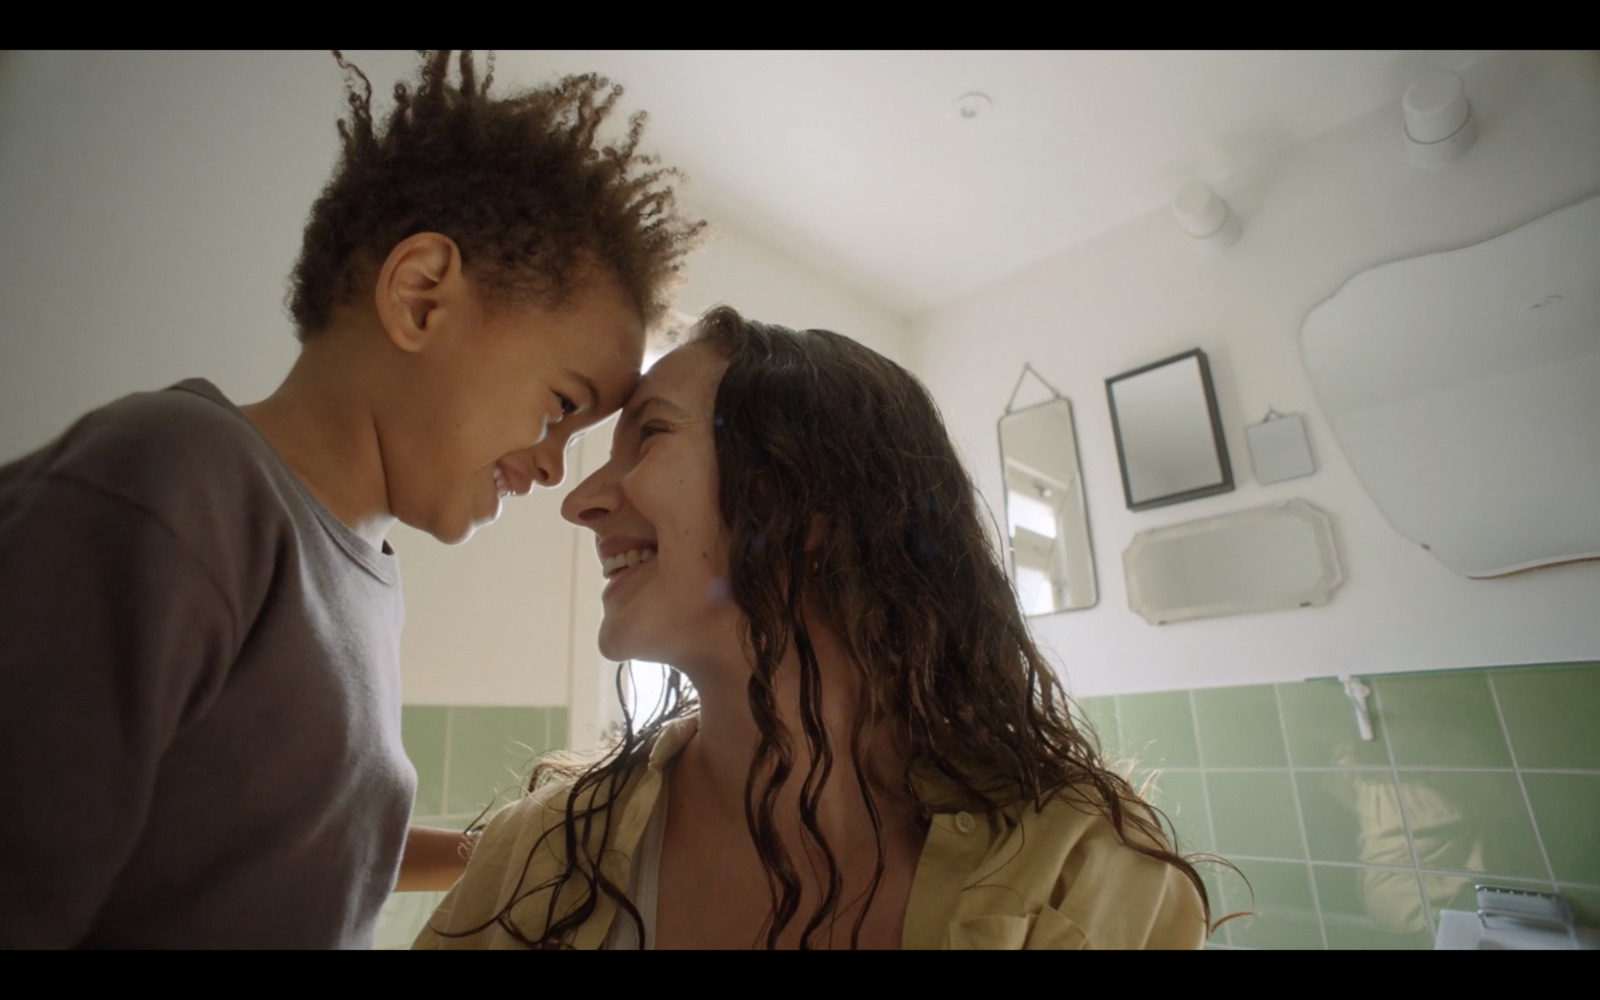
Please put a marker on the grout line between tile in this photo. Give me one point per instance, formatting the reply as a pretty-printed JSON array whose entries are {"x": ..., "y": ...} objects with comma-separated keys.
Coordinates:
[
  {"x": 1587, "y": 886},
  {"x": 1116, "y": 730},
  {"x": 1450, "y": 872},
  {"x": 543, "y": 744},
  {"x": 1200, "y": 756},
  {"x": 444, "y": 779},
  {"x": 1527, "y": 803},
  {"x": 1352, "y": 864},
  {"x": 1211, "y": 823},
  {"x": 1584, "y": 772},
  {"x": 1299, "y": 816},
  {"x": 1487, "y": 876},
  {"x": 1400, "y": 803}
]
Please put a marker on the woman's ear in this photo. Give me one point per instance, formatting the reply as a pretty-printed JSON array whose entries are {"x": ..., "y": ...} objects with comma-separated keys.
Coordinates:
[{"x": 419, "y": 282}]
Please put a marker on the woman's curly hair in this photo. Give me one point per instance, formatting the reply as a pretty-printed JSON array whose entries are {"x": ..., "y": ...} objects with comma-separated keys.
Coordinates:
[
  {"x": 523, "y": 184},
  {"x": 811, "y": 425}
]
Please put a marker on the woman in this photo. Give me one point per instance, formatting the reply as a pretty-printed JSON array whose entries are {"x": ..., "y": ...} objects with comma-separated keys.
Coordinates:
[{"x": 877, "y": 754}]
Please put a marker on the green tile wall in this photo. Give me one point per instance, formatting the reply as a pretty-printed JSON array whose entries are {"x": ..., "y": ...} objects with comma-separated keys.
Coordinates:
[
  {"x": 468, "y": 759},
  {"x": 1485, "y": 775},
  {"x": 1474, "y": 775}
]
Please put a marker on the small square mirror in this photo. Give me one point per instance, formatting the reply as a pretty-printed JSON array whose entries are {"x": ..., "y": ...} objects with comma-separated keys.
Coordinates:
[{"x": 1279, "y": 449}]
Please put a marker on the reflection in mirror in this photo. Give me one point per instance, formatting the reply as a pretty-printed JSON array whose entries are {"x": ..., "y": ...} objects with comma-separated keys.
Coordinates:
[
  {"x": 1266, "y": 559},
  {"x": 1052, "y": 564},
  {"x": 1169, "y": 434}
]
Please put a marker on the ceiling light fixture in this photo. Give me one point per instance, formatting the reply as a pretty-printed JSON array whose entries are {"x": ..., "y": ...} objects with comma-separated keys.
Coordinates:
[
  {"x": 1440, "y": 125},
  {"x": 1205, "y": 216}
]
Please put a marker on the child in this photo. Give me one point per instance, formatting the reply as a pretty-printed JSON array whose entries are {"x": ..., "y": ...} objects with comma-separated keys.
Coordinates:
[{"x": 199, "y": 615}]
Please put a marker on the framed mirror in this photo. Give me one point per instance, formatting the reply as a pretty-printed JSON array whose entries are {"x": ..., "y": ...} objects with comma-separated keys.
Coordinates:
[
  {"x": 1169, "y": 433},
  {"x": 1267, "y": 559},
  {"x": 1052, "y": 564}
]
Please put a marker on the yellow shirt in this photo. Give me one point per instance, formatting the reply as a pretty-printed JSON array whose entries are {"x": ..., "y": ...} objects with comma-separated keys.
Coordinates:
[{"x": 1052, "y": 878}]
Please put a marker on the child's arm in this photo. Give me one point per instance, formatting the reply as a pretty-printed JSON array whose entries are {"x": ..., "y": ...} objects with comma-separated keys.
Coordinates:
[{"x": 433, "y": 859}]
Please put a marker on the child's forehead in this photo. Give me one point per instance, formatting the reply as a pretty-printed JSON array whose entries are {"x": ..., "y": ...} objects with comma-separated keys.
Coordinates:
[{"x": 598, "y": 338}]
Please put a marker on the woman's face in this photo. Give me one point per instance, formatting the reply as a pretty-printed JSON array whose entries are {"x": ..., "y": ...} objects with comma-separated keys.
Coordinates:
[{"x": 653, "y": 508}]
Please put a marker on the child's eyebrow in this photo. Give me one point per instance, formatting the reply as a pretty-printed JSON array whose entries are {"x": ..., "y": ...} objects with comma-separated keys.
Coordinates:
[{"x": 588, "y": 385}]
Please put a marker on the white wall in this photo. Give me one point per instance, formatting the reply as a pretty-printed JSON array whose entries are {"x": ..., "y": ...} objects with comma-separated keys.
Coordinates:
[
  {"x": 765, "y": 283},
  {"x": 151, "y": 207},
  {"x": 1341, "y": 203},
  {"x": 150, "y": 211}
]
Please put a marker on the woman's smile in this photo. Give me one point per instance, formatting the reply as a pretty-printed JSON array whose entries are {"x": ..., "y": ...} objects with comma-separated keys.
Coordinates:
[{"x": 624, "y": 567}]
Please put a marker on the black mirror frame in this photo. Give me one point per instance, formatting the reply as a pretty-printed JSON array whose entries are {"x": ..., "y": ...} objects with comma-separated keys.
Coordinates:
[{"x": 1225, "y": 486}]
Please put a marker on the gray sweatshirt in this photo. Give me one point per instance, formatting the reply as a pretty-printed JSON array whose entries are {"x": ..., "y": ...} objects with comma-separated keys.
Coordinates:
[{"x": 200, "y": 719}]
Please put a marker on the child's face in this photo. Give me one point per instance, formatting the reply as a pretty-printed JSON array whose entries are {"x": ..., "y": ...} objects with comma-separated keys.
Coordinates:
[{"x": 491, "y": 410}]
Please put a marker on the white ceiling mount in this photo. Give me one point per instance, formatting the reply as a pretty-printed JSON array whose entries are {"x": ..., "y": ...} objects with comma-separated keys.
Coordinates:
[
  {"x": 973, "y": 104},
  {"x": 1440, "y": 125},
  {"x": 1205, "y": 216}
]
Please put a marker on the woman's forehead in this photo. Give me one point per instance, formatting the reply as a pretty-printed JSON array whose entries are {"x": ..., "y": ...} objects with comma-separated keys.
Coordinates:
[{"x": 686, "y": 377}]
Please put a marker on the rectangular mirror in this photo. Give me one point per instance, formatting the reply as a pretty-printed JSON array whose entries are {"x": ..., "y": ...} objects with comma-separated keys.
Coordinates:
[
  {"x": 1168, "y": 431},
  {"x": 1267, "y": 559},
  {"x": 1051, "y": 562}
]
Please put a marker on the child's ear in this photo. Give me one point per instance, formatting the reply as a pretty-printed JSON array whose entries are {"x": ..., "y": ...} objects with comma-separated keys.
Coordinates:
[{"x": 418, "y": 283}]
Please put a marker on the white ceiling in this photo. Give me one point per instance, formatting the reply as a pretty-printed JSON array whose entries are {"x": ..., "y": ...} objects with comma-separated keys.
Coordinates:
[{"x": 860, "y": 165}]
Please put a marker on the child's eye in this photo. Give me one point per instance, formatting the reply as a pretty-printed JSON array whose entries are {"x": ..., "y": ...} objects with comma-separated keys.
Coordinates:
[{"x": 567, "y": 406}]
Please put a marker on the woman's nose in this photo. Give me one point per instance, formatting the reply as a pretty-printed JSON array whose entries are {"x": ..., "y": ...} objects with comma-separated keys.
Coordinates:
[{"x": 593, "y": 498}]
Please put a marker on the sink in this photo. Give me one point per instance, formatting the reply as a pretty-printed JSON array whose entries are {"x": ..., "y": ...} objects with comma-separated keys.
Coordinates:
[{"x": 1463, "y": 931}]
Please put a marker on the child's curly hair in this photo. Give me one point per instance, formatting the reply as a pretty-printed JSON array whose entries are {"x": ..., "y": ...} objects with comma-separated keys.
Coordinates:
[{"x": 519, "y": 183}]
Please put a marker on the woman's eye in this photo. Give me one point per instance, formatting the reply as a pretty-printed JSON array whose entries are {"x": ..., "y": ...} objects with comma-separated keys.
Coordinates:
[{"x": 650, "y": 430}]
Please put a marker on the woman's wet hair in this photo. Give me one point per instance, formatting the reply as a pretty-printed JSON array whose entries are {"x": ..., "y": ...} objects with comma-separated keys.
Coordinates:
[
  {"x": 812, "y": 428},
  {"x": 843, "y": 496},
  {"x": 525, "y": 184}
]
